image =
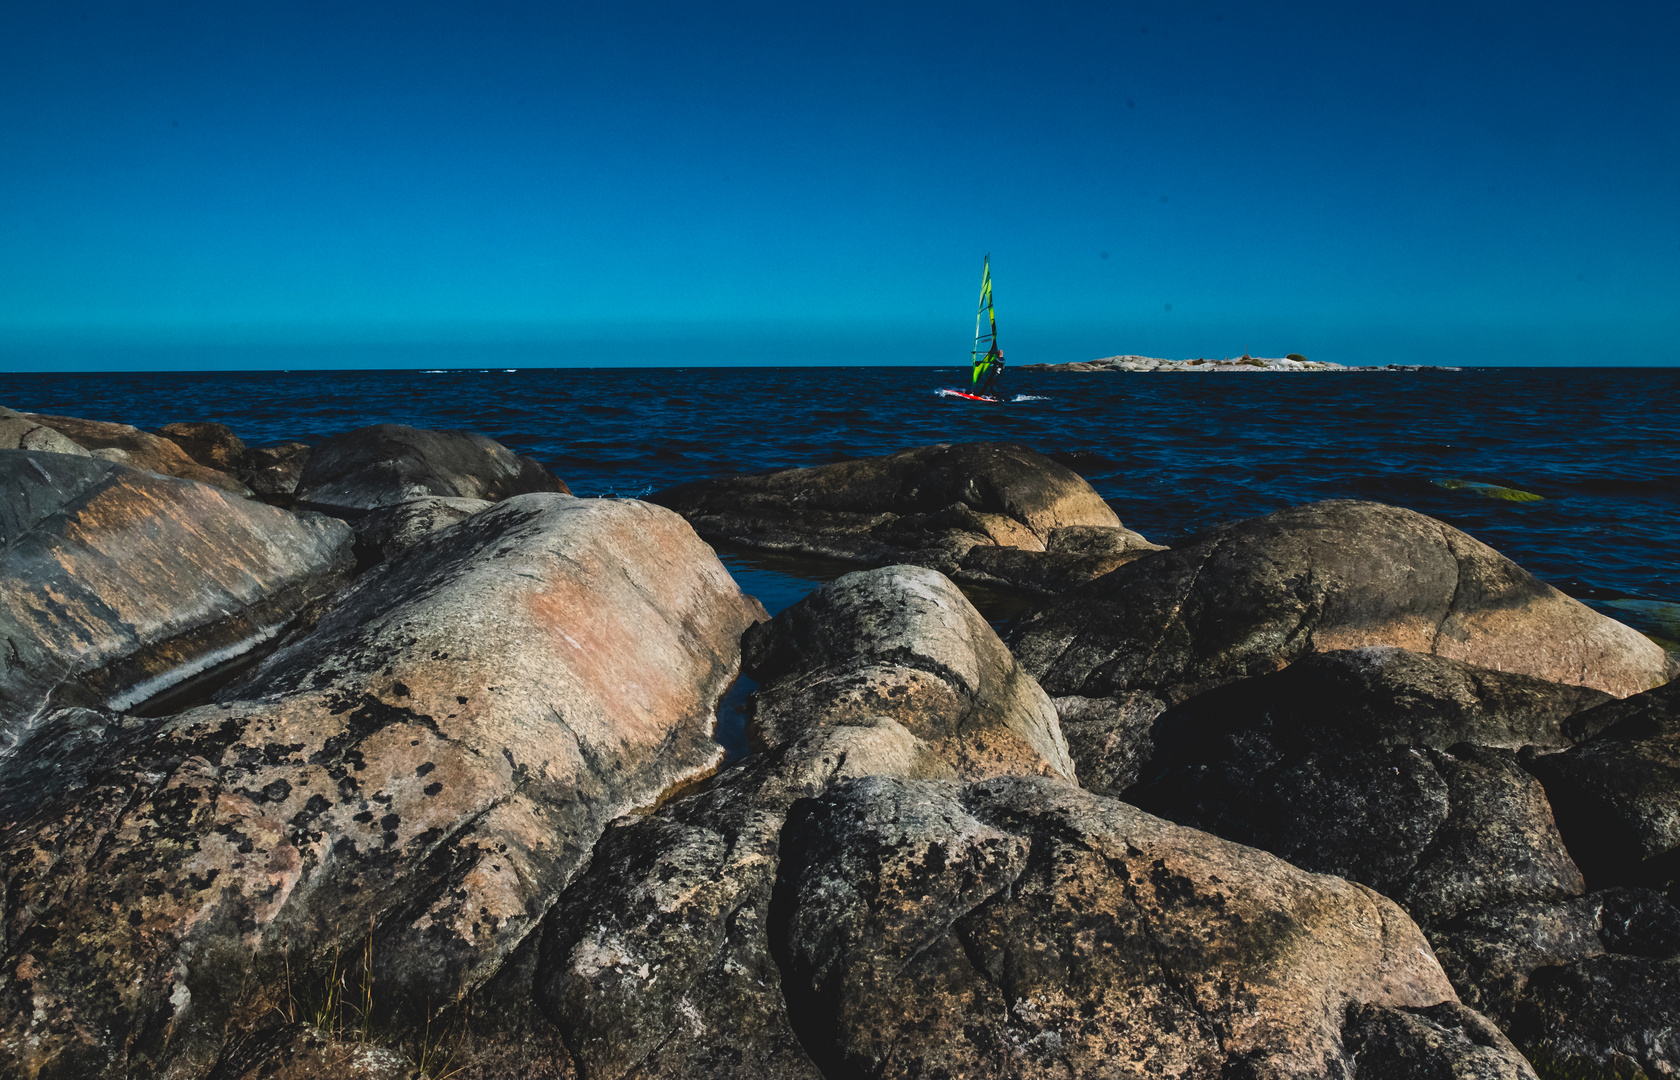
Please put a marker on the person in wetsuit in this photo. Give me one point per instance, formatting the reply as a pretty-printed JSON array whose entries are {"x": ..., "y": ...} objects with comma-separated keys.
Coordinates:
[{"x": 986, "y": 372}]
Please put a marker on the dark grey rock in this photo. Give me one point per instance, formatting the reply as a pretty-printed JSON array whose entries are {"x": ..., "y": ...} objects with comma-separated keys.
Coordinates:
[
  {"x": 1615, "y": 1016},
  {"x": 1437, "y": 1042},
  {"x": 273, "y": 472},
  {"x": 1442, "y": 832},
  {"x": 214, "y": 446},
  {"x": 390, "y": 530},
  {"x": 1639, "y": 922},
  {"x": 1490, "y": 954},
  {"x": 1617, "y": 795},
  {"x": 1350, "y": 763},
  {"x": 386, "y": 464}
]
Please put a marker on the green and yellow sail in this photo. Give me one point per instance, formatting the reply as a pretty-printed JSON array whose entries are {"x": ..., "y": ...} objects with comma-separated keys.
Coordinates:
[{"x": 985, "y": 354}]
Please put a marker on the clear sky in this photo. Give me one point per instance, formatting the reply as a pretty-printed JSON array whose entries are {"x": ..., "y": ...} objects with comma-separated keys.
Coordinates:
[{"x": 232, "y": 182}]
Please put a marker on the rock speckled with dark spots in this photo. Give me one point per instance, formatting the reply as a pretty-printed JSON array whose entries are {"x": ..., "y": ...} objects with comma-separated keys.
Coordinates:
[
  {"x": 551, "y": 664},
  {"x": 1021, "y": 927}
]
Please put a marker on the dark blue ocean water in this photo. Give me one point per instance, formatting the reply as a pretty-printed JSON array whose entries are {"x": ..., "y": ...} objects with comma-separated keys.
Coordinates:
[{"x": 1173, "y": 453}]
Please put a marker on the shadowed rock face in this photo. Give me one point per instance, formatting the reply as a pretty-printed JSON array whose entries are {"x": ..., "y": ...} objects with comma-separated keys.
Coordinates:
[
  {"x": 983, "y": 511},
  {"x": 1388, "y": 767},
  {"x": 115, "y": 582},
  {"x": 140, "y": 449},
  {"x": 1109, "y": 738},
  {"x": 386, "y": 464},
  {"x": 1604, "y": 1016},
  {"x": 1617, "y": 794},
  {"x": 1022, "y": 927},
  {"x": 1492, "y": 953},
  {"x": 1439, "y": 1042},
  {"x": 1380, "y": 696},
  {"x": 1251, "y": 597},
  {"x": 429, "y": 766}
]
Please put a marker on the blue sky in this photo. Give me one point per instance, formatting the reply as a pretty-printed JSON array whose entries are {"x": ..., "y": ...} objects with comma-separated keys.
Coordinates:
[{"x": 186, "y": 184}]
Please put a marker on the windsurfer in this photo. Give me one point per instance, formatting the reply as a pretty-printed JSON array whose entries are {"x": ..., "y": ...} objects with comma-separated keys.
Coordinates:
[{"x": 986, "y": 372}]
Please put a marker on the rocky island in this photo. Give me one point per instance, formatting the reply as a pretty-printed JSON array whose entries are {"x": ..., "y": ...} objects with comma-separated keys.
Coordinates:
[
  {"x": 1244, "y": 363},
  {"x": 389, "y": 757}
]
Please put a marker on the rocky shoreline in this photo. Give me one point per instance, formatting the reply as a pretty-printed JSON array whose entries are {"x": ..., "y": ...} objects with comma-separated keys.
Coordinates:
[
  {"x": 1244, "y": 363},
  {"x": 389, "y": 757}
]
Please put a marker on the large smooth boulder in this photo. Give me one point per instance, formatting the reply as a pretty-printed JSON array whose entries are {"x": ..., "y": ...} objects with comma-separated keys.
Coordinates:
[
  {"x": 1254, "y": 596},
  {"x": 1392, "y": 768},
  {"x": 386, "y": 464},
  {"x": 1617, "y": 794},
  {"x": 419, "y": 776},
  {"x": 657, "y": 962},
  {"x": 1025, "y": 928},
  {"x": 129, "y": 445},
  {"x": 996, "y": 512},
  {"x": 116, "y": 583}
]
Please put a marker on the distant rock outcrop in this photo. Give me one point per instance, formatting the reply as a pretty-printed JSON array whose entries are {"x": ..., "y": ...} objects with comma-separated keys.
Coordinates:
[{"x": 1245, "y": 363}]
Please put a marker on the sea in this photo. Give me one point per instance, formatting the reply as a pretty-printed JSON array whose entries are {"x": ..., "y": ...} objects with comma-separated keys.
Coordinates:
[{"x": 1573, "y": 473}]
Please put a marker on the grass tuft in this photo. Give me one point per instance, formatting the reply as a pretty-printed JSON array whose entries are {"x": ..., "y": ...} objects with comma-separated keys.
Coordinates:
[
  {"x": 341, "y": 1005},
  {"x": 1549, "y": 1066}
]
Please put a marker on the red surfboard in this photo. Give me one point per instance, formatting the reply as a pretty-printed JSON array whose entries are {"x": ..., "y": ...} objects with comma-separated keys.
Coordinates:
[{"x": 971, "y": 397}]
